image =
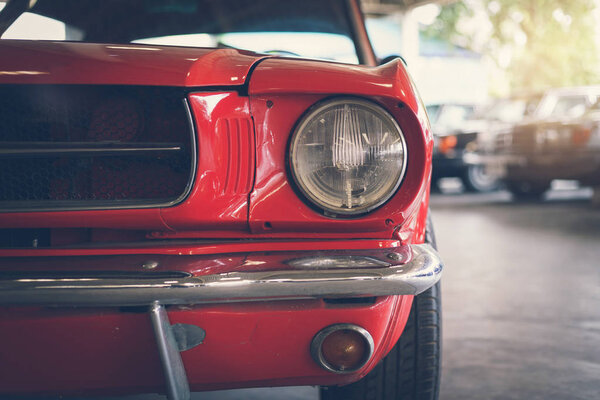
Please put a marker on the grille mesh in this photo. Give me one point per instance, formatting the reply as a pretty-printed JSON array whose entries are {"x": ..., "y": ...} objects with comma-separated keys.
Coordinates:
[{"x": 93, "y": 146}]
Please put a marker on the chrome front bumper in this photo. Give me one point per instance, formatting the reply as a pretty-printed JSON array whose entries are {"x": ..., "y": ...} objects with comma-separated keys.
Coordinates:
[
  {"x": 408, "y": 270},
  {"x": 405, "y": 270}
]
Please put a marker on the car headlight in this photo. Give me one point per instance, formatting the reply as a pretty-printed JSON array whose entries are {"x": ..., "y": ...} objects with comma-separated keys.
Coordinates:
[{"x": 348, "y": 156}]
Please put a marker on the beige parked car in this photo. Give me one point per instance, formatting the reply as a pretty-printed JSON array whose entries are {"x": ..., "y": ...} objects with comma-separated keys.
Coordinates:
[{"x": 560, "y": 141}]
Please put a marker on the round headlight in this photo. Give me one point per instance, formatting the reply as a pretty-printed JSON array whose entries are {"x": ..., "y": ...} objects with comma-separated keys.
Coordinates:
[{"x": 348, "y": 156}]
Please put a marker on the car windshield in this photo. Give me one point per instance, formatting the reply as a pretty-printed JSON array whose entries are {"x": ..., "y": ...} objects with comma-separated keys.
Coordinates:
[
  {"x": 453, "y": 115},
  {"x": 303, "y": 28},
  {"x": 564, "y": 106},
  {"x": 510, "y": 110}
]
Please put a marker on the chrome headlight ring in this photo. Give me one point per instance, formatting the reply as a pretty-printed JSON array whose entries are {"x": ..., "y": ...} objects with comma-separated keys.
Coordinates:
[{"x": 347, "y": 156}]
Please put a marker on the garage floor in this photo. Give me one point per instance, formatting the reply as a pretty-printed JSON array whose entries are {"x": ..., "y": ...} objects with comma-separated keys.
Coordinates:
[
  {"x": 522, "y": 297},
  {"x": 521, "y": 300}
]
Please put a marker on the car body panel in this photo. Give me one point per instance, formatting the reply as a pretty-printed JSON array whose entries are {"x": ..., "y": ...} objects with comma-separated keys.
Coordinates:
[
  {"x": 225, "y": 171},
  {"x": 44, "y": 62},
  {"x": 243, "y": 212},
  {"x": 228, "y": 155},
  {"x": 247, "y": 340},
  {"x": 198, "y": 247},
  {"x": 276, "y": 112},
  {"x": 261, "y": 344}
]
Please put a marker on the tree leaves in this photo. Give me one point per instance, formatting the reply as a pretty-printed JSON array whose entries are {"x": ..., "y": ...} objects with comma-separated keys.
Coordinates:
[{"x": 537, "y": 43}]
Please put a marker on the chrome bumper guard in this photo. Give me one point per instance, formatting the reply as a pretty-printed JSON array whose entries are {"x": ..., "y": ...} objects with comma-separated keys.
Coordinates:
[
  {"x": 408, "y": 270},
  {"x": 393, "y": 273}
]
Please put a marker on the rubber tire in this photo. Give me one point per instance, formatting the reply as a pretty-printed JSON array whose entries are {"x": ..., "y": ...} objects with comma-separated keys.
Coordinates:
[
  {"x": 411, "y": 370},
  {"x": 471, "y": 183},
  {"x": 526, "y": 190}
]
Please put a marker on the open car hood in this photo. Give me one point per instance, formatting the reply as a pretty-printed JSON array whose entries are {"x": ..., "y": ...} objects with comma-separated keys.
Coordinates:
[{"x": 45, "y": 62}]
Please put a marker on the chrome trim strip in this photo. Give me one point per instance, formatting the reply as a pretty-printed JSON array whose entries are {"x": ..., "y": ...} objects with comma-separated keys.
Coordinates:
[
  {"x": 422, "y": 270},
  {"x": 317, "y": 354},
  {"x": 175, "y": 377},
  {"x": 335, "y": 261},
  {"x": 83, "y": 149},
  {"x": 195, "y": 138}
]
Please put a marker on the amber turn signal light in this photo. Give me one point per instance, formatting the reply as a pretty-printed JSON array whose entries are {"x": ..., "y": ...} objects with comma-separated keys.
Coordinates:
[
  {"x": 447, "y": 143},
  {"x": 342, "y": 348}
]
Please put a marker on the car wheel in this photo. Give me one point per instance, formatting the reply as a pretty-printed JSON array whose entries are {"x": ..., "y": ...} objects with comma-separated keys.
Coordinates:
[
  {"x": 527, "y": 190},
  {"x": 477, "y": 179},
  {"x": 411, "y": 370}
]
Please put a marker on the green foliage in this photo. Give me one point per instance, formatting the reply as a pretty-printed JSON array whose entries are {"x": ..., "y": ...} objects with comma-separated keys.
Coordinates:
[
  {"x": 538, "y": 43},
  {"x": 445, "y": 25}
]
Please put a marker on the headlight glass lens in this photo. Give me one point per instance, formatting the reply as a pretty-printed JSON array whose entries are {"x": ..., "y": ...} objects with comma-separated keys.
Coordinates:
[{"x": 348, "y": 156}]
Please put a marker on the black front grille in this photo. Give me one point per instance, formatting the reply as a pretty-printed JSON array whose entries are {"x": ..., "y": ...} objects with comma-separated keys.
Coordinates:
[{"x": 80, "y": 147}]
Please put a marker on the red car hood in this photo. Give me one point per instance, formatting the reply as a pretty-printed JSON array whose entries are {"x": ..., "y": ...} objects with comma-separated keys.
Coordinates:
[{"x": 40, "y": 62}]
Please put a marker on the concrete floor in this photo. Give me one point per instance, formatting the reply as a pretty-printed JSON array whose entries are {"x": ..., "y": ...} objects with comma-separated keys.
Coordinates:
[{"x": 521, "y": 294}]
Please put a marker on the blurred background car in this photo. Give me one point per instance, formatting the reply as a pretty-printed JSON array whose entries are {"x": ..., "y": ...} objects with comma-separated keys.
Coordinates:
[
  {"x": 493, "y": 122},
  {"x": 464, "y": 134},
  {"x": 453, "y": 147},
  {"x": 465, "y": 148},
  {"x": 560, "y": 140}
]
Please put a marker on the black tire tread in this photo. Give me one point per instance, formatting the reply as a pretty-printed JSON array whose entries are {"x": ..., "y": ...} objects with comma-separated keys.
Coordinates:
[
  {"x": 411, "y": 371},
  {"x": 527, "y": 191},
  {"x": 472, "y": 186}
]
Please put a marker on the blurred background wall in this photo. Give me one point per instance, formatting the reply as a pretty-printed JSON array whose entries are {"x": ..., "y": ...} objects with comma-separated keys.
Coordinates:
[{"x": 466, "y": 51}]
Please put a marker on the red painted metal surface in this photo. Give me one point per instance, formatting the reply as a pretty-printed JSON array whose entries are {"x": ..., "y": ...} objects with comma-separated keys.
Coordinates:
[
  {"x": 202, "y": 248},
  {"x": 248, "y": 344},
  {"x": 218, "y": 205},
  {"x": 242, "y": 190},
  {"x": 225, "y": 165},
  {"x": 44, "y": 62},
  {"x": 283, "y": 76},
  {"x": 250, "y": 257},
  {"x": 278, "y": 102},
  {"x": 113, "y": 351}
]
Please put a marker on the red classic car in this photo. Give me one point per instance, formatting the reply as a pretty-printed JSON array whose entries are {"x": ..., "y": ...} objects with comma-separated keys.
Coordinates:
[{"x": 176, "y": 217}]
